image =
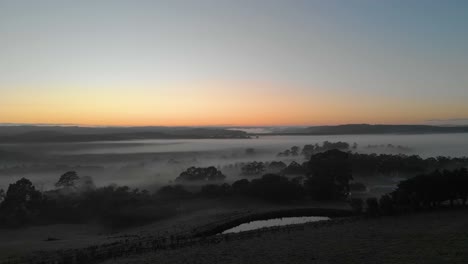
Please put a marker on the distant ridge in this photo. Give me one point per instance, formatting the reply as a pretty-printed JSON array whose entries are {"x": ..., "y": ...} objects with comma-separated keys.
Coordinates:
[
  {"x": 40, "y": 134},
  {"x": 362, "y": 129}
]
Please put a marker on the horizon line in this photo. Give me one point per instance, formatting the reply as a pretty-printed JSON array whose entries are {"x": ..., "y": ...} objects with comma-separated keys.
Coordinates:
[{"x": 11, "y": 124}]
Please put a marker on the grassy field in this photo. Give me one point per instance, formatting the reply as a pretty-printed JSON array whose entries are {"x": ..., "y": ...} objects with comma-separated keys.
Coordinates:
[
  {"x": 196, "y": 214},
  {"x": 430, "y": 237}
]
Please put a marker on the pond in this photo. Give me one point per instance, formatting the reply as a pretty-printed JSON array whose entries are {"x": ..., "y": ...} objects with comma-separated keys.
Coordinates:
[{"x": 274, "y": 222}]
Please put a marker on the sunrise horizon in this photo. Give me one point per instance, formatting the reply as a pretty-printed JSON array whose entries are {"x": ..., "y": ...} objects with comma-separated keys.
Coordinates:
[{"x": 208, "y": 63}]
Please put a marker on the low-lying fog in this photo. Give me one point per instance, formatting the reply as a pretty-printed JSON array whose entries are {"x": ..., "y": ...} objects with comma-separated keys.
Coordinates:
[{"x": 157, "y": 162}]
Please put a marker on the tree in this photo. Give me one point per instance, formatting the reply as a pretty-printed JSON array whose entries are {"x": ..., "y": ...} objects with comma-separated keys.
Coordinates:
[
  {"x": 67, "y": 180},
  {"x": 308, "y": 150},
  {"x": 253, "y": 168},
  {"x": 22, "y": 203},
  {"x": 293, "y": 168},
  {"x": 201, "y": 174},
  {"x": 328, "y": 175},
  {"x": 295, "y": 150},
  {"x": 276, "y": 166}
]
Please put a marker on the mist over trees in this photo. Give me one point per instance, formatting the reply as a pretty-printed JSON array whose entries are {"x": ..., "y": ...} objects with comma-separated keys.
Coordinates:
[
  {"x": 253, "y": 168},
  {"x": 325, "y": 175},
  {"x": 201, "y": 174},
  {"x": 111, "y": 205}
]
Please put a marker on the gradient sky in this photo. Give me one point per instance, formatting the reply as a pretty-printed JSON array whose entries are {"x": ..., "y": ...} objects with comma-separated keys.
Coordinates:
[{"x": 239, "y": 62}]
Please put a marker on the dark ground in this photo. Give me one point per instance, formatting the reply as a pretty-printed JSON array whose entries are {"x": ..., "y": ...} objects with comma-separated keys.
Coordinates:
[{"x": 430, "y": 237}]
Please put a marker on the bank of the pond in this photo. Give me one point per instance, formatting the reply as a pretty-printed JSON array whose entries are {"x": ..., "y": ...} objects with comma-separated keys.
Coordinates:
[{"x": 300, "y": 212}]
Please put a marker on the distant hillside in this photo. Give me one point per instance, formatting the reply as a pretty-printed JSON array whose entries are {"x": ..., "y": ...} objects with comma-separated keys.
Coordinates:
[
  {"x": 86, "y": 134},
  {"x": 356, "y": 129}
]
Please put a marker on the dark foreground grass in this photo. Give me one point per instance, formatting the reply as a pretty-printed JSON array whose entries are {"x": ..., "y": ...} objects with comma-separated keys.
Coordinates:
[{"x": 430, "y": 237}]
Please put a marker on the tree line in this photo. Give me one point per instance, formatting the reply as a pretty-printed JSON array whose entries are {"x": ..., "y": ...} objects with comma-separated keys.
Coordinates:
[
  {"x": 325, "y": 176},
  {"x": 436, "y": 189}
]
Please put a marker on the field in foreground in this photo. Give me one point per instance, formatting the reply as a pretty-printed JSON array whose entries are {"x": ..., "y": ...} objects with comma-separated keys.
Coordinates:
[{"x": 432, "y": 237}]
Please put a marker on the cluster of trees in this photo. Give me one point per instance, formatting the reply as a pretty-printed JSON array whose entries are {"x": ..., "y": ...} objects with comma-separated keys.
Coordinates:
[
  {"x": 367, "y": 164},
  {"x": 309, "y": 150},
  {"x": 373, "y": 164},
  {"x": 424, "y": 191},
  {"x": 257, "y": 168},
  {"x": 275, "y": 166},
  {"x": 432, "y": 189},
  {"x": 21, "y": 203},
  {"x": 389, "y": 147},
  {"x": 325, "y": 176},
  {"x": 294, "y": 168},
  {"x": 253, "y": 168},
  {"x": 270, "y": 187},
  {"x": 201, "y": 174},
  {"x": 293, "y": 151},
  {"x": 362, "y": 164},
  {"x": 76, "y": 200},
  {"x": 329, "y": 174}
]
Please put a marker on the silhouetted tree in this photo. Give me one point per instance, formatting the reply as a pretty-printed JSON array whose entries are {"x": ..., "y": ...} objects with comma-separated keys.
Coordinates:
[
  {"x": 67, "y": 180},
  {"x": 432, "y": 189},
  {"x": 294, "y": 168},
  {"x": 295, "y": 150},
  {"x": 253, "y": 168},
  {"x": 276, "y": 166},
  {"x": 22, "y": 203},
  {"x": 328, "y": 175},
  {"x": 201, "y": 174},
  {"x": 285, "y": 153},
  {"x": 307, "y": 151}
]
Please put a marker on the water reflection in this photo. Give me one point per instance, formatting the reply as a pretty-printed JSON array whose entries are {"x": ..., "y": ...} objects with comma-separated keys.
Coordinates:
[{"x": 275, "y": 222}]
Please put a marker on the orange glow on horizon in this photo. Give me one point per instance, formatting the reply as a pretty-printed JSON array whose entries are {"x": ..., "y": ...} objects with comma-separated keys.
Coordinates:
[{"x": 215, "y": 103}]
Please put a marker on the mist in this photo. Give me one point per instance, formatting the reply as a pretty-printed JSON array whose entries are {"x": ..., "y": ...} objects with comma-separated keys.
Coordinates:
[{"x": 151, "y": 163}]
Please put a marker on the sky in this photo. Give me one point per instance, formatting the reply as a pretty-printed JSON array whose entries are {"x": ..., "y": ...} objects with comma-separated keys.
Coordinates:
[{"x": 243, "y": 62}]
